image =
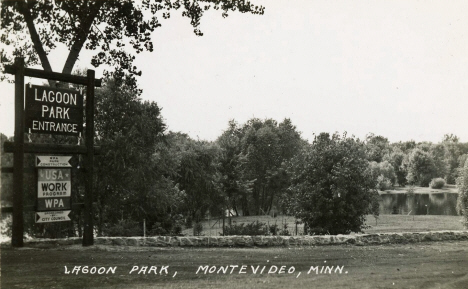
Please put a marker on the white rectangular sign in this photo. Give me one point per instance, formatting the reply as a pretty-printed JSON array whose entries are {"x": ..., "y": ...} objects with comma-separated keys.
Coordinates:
[
  {"x": 53, "y": 161},
  {"x": 53, "y": 183},
  {"x": 52, "y": 216}
]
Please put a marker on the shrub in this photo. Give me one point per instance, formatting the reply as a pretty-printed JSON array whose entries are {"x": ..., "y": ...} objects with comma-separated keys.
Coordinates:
[
  {"x": 188, "y": 222},
  {"x": 332, "y": 187},
  {"x": 437, "y": 183},
  {"x": 274, "y": 229},
  {"x": 124, "y": 229},
  {"x": 174, "y": 228},
  {"x": 284, "y": 231},
  {"x": 197, "y": 229},
  {"x": 383, "y": 183},
  {"x": 157, "y": 230},
  {"x": 252, "y": 229}
]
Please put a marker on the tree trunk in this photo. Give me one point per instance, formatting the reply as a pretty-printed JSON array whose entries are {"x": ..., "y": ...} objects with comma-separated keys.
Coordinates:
[
  {"x": 81, "y": 38},
  {"x": 36, "y": 40}
]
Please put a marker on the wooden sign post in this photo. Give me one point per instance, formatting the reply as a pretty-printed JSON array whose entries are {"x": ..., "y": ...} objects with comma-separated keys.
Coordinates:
[{"x": 56, "y": 111}]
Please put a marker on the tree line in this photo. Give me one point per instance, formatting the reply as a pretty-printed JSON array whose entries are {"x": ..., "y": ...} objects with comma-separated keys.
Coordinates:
[{"x": 173, "y": 181}]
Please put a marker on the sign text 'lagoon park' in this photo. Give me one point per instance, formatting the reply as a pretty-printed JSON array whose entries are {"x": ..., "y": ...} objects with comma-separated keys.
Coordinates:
[{"x": 53, "y": 110}]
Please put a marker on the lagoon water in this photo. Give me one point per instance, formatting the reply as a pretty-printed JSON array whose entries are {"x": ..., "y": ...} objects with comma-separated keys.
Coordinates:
[{"x": 419, "y": 204}]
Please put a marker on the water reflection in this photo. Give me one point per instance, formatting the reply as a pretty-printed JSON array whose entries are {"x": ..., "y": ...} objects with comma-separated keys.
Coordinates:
[{"x": 419, "y": 204}]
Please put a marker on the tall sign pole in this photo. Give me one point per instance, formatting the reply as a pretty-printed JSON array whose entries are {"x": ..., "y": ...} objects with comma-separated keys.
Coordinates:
[
  {"x": 18, "y": 156},
  {"x": 88, "y": 239}
]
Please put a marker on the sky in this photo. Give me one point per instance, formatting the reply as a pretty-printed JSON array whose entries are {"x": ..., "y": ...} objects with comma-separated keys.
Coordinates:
[{"x": 393, "y": 68}]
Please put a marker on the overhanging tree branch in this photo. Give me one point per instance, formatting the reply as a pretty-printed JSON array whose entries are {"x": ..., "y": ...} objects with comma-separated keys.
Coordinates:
[
  {"x": 38, "y": 46},
  {"x": 82, "y": 35}
]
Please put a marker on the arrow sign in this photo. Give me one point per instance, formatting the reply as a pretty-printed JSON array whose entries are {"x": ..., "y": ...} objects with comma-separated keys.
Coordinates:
[
  {"x": 53, "y": 161},
  {"x": 52, "y": 216}
]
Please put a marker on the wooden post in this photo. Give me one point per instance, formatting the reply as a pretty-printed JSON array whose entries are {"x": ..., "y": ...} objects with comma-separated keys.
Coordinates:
[
  {"x": 88, "y": 238},
  {"x": 18, "y": 157},
  {"x": 224, "y": 213}
]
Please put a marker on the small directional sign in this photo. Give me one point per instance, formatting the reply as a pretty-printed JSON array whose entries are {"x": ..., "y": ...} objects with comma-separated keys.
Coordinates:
[
  {"x": 52, "y": 216},
  {"x": 53, "y": 161}
]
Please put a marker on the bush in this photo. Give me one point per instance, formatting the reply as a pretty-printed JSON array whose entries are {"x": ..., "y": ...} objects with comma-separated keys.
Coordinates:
[
  {"x": 124, "y": 229},
  {"x": 383, "y": 183},
  {"x": 437, "y": 183},
  {"x": 252, "y": 229},
  {"x": 332, "y": 187},
  {"x": 197, "y": 229},
  {"x": 274, "y": 230},
  {"x": 157, "y": 230},
  {"x": 284, "y": 231}
]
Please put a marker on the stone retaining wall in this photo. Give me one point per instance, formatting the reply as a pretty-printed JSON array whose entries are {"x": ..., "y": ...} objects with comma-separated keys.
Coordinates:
[{"x": 264, "y": 241}]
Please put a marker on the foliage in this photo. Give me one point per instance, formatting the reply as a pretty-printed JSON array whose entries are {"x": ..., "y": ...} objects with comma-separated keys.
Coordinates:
[
  {"x": 198, "y": 229},
  {"x": 462, "y": 202},
  {"x": 332, "y": 188},
  {"x": 112, "y": 28},
  {"x": 172, "y": 228},
  {"x": 421, "y": 168},
  {"x": 124, "y": 228},
  {"x": 441, "y": 157},
  {"x": 254, "y": 173},
  {"x": 252, "y": 229},
  {"x": 437, "y": 183},
  {"x": 376, "y": 147},
  {"x": 198, "y": 177},
  {"x": 234, "y": 186},
  {"x": 384, "y": 174},
  {"x": 275, "y": 230},
  {"x": 383, "y": 183},
  {"x": 461, "y": 160},
  {"x": 129, "y": 182},
  {"x": 396, "y": 159}
]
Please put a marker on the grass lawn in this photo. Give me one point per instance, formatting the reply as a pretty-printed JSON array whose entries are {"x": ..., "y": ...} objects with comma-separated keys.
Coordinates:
[
  {"x": 385, "y": 223},
  {"x": 421, "y": 265}
]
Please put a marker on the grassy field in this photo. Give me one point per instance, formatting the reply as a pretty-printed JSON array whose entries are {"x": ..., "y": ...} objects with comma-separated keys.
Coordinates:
[
  {"x": 421, "y": 265},
  {"x": 385, "y": 224}
]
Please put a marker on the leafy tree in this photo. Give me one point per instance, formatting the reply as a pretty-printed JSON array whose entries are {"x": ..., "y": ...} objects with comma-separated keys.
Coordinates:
[
  {"x": 461, "y": 160},
  {"x": 32, "y": 28},
  {"x": 6, "y": 184},
  {"x": 405, "y": 147},
  {"x": 332, "y": 188},
  {"x": 440, "y": 156},
  {"x": 235, "y": 188},
  {"x": 128, "y": 182},
  {"x": 384, "y": 174},
  {"x": 452, "y": 153},
  {"x": 462, "y": 202},
  {"x": 421, "y": 168},
  {"x": 198, "y": 177},
  {"x": 376, "y": 147},
  {"x": 265, "y": 147},
  {"x": 253, "y": 163},
  {"x": 396, "y": 158}
]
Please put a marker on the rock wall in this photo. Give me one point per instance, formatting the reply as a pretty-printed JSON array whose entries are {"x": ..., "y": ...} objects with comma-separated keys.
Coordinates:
[{"x": 264, "y": 241}]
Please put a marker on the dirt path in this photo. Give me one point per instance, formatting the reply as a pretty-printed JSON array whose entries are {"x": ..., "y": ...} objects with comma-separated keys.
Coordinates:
[{"x": 422, "y": 265}]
